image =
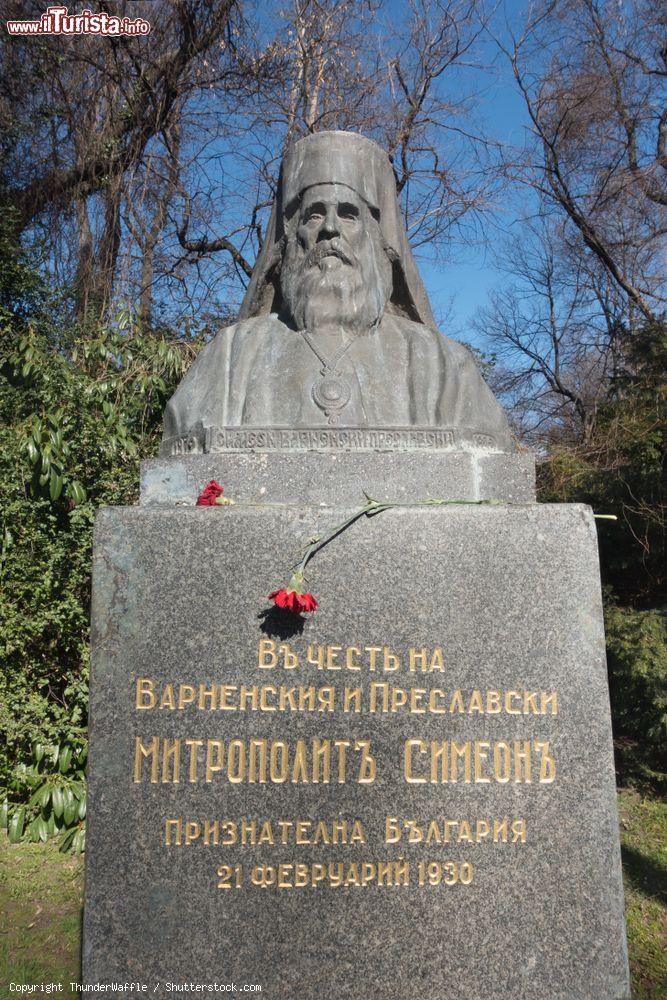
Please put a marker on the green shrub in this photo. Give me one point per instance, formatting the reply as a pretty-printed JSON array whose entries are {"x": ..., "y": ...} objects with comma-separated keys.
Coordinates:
[
  {"x": 637, "y": 658},
  {"x": 78, "y": 408},
  {"x": 54, "y": 784},
  {"x": 620, "y": 470}
]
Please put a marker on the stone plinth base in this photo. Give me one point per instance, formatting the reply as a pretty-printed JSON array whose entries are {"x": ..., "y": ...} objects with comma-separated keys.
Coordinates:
[
  {"x": 340, "y": 477},
  {"x": 411, "y": 793}
]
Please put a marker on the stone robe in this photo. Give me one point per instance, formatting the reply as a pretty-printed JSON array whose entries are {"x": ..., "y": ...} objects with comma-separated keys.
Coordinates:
[{"x": 261, "y": 373}]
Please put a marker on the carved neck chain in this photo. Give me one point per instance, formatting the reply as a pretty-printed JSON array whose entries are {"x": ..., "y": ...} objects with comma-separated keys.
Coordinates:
[
  {"x": 332, "y": 393},
  {"x": 329, "y": 365}
]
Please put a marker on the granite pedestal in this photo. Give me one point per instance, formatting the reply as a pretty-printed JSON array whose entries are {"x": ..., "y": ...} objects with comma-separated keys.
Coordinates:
[
  {"x": 424, "y": 806},
  {"x": 338, "y": 477}
]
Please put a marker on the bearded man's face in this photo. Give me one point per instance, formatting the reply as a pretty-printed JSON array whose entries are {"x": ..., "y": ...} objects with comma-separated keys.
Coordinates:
[{"x": 335, "y": 270}]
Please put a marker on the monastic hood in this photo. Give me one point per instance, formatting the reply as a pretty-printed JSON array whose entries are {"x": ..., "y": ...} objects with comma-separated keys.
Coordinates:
[{"x": 360, "y": 164}]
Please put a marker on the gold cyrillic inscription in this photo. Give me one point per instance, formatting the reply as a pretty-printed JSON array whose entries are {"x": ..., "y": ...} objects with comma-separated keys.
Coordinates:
[
  {"x": 381, "y": 698},
  {"x": 478, "y": 762},
  {"x": 455, "y": 831},
  {"x": 246, "y": 832},
  {"x": 251, "y": 761}
]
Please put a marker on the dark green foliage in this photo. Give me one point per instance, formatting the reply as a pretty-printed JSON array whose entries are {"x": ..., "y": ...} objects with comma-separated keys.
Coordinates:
[
  {"x": 637, "y": 655},
  {"x": 54, "y": 784},
  {"x": 621, "y": 471},
  {"x": 77, "y": 411}
]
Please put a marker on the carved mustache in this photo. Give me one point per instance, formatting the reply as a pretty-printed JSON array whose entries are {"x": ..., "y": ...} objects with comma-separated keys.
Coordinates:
[{"x": 327, "y": 248}]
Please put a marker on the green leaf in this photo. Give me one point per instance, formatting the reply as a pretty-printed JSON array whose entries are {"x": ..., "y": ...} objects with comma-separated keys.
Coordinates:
[
  {"x": 43, "y": 829},
  {"x": 66, "y": 841},
  {"x": 36, "y": 798},
  {"x": 38, "y": 751},
  {"x": 56, "y": 486},
  {"x": 77, "y": 841},
  {"x": 82, "y": 809},
  {"x": 58, "y": 802},
  {"x": 65, "y": 759},
  {"x": 4, "y": 814},
  {"x": 76, "y": 491},
  {"x": 15, "y": 828}
]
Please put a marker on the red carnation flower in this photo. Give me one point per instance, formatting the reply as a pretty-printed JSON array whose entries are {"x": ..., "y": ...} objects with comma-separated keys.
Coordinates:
[
  {"x": 209, "y": 495},
  {"x": 293, "y": 600}
]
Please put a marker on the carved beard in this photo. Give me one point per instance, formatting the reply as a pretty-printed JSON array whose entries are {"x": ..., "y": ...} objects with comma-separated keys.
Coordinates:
[{"x": 331, "y": 285}]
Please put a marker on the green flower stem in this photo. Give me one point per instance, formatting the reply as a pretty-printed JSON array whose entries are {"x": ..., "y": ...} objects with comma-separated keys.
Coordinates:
[{"x": 372, "y": 508}]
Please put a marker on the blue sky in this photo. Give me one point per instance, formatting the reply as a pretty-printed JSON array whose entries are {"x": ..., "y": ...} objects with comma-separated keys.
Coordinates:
[{"x": 459, "y": 286}]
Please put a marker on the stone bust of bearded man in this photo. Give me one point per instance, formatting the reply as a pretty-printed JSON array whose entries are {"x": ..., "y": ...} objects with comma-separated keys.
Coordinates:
[{"x": 335, "y": 327}]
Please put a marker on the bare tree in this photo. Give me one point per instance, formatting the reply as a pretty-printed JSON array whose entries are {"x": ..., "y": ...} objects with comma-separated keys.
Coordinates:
[
  {"x": 149, "y": 164},
  {"x": 146, "y": 214},
  {"x": 442, "y": 163},
  {"x": 83, "y": 114},
  {"x": 554, "y": 333},
  {"x": 134, "y": 88},
  {"x": 591, "y": 74}
]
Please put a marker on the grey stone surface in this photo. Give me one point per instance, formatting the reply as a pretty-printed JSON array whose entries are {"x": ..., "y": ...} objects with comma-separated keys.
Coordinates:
[
  {"x": 341, "y": 477},
  {"x": 511, "y": 594},
  {"x": 335, "y": 328},
  {"x": 506, "y": 477}
]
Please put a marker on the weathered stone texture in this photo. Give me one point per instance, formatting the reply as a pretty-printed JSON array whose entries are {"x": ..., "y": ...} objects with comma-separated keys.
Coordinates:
[
  {"x": 512, "y": 596},
  {"x": 339, "y": 477}
]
